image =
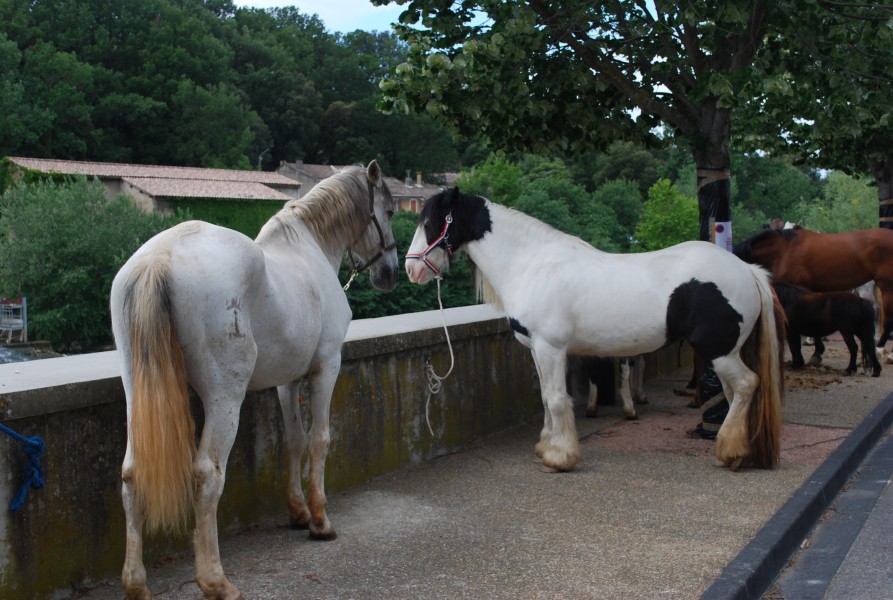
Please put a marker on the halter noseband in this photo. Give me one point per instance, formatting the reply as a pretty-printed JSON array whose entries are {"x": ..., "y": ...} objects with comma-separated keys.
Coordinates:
[
  {"x": 354, "y": 269},
  {"x": 441, "y": 239}
]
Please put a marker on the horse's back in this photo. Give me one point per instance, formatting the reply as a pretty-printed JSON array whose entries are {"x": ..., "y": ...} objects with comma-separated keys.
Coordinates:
[{"x": 640, "y": 295}]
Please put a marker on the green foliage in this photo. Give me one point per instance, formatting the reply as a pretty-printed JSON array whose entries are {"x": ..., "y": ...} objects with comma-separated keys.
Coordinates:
[
  {"x": 847, "y": 203},
  {"x": 669, "y": 218},
  {"x": 187, "y": 82},
  {"x": 245, "y": 216},
  {"x": 497, "y": 179},
  {"x": 457, "y": 286},
  {"x": 771, "y": 185},
  {"x": 61, "y": 245},
  {"x": 621, "y": 196}
]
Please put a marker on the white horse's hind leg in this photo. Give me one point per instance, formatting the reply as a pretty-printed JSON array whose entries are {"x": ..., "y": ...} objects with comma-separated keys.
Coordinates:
[
  {"x": 561, "y": 449},
  {"x": 296, "y": 441},
  {"x": 218, "y": 436},
  {"x": 592, "y": 402},
  {"x": 638, "y": 380},
  {"x": 133, "y": 576},
  {"x": 322, "y": 383},
  {"x": 732, "y": 445},
  {"x": 628, "y": 408}
]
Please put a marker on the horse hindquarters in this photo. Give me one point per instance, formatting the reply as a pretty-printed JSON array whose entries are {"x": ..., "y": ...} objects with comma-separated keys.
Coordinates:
[
  {"x": 761, "y": 351},
  {"x": 156, "y": 474}
]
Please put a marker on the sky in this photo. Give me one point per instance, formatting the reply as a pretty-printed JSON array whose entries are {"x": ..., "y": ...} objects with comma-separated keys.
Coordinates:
[{"x": 339, "y": 15}]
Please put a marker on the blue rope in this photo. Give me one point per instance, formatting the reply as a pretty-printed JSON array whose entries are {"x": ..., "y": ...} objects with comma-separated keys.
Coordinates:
[{"x": 33, "y": 448}]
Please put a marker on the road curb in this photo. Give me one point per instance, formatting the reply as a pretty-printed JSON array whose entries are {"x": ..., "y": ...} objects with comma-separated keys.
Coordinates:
[{"x": 750, "y": 574}]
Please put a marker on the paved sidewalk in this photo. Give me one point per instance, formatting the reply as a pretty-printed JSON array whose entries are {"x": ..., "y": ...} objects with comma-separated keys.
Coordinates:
[{"x": 637, "y": 520}]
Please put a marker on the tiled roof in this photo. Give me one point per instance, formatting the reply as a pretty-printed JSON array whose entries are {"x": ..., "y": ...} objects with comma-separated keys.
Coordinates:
[
  {"x": 121, "y": 170},
  {"x": 160, "y": 187}
]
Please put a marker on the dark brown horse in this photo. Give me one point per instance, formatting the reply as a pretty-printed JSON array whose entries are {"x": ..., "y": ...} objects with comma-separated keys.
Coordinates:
[
  {"x": 817, "y": 314},
  {"x": 826, "y": 262}
]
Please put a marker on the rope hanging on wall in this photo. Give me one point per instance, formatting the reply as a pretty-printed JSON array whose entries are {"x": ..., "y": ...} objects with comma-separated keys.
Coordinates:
[{"x": 33, "y": 447}]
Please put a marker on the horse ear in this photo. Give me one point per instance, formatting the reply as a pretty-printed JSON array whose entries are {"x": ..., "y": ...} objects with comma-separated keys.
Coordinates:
[{"x": 373, "y": 172}]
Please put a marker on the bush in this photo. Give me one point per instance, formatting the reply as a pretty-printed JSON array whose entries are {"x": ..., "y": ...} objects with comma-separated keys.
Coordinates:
[
  {"x": 60, "y": 246},
  {"x": 668, "y": 218}
]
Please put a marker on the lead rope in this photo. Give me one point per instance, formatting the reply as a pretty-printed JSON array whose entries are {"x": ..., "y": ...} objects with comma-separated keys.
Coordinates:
[{"x": 435, "y": 381}]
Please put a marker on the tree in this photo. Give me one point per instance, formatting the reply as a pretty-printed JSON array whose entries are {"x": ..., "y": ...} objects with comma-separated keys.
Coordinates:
[
  {"x": 61, "y": 245},
  {"x": 847, "y": 203},
  {"x": 668, "y": 218},
  {"x": 566, "y": 75},
  {"x": 830, "y": 106}
]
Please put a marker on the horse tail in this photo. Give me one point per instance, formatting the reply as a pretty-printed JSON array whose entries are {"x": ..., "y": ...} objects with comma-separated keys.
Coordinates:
[
  {"x": 766, "y": 342},
  {"x": 879, "y": 303},
  {"x": 161, "y": 428}
]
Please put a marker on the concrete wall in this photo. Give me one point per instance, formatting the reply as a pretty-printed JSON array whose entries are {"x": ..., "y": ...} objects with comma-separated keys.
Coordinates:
[{"x": 72, "y": 531}]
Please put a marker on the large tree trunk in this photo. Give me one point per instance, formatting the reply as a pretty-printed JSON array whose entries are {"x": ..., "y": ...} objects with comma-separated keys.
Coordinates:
[
  {"x": 712, "y": 161},
  {"x": 883, "y": 177}
]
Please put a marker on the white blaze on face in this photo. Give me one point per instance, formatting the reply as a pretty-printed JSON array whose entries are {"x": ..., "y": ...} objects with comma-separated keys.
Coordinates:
[{"x": 416, "y": 269}]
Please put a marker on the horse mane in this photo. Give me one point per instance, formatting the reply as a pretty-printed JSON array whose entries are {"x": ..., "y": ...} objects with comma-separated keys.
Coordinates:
[
  {"x": 484, "y": 291},
  {"x": 788, "y": 294},
  {"x": 523, "y": 225},
  {"x": 745, "y": 249},
  {"x": 334, "y": 210}
]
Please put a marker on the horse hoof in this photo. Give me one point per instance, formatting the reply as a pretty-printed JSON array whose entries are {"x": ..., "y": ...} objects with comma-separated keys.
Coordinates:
[
  {"x": 736, "y": 464},
  {"x": 323, "y": 536},
  {"x": 632, "y": 417},
  {"x": 850, "y": 372},
  {"x": 298, "y": 524},
  {"x": 592, "y": 414},
  {"x": 876, "y": 373}
]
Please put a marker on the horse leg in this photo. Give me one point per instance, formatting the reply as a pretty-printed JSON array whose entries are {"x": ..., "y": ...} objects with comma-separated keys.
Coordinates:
[
  {"x": 218, "y": 436},
  {"x": 638, "y": 379},
  {"x": 794, "y": 346},
  {"x": 850, "y": 342},
  {"x": 818, "y": 352},
  {"x": 628, "y": 408},
  {"x": 732, "y": 444},
  {"x": 546, "y": 431},
  {"x": 886, "y": 309},
  {"x": 322, "y": 383},
  {"x": 296, "y": 442},
  {"x": 561, "y": 449},
  {"x": 869, "y": 357},
  {"x": 133, "y": 576},
  {"x": 592, "y": 402}
]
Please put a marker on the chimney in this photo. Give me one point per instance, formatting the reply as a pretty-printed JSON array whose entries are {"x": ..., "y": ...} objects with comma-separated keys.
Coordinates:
[
  {"x": 299, "y": 164},
  {"x": 418, "y": 178}
]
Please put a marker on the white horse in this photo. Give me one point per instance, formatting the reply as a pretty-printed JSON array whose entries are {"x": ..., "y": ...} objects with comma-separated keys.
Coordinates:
[
  {"x": 563, "y": 296},
  {"x": 203, "y": 306}
]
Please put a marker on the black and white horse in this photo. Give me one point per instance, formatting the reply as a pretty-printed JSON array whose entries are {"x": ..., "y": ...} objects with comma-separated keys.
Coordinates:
[{"x": 563, "y": 296}]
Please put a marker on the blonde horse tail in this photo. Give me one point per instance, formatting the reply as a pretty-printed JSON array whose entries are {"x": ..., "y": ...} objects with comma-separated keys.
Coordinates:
[
  {"x": 161, "y": 427},
  {"x": 767, "y": 342}
]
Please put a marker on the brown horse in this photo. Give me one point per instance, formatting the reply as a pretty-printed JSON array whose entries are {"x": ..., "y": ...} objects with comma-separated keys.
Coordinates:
[
  {"x": 827, "y": 262},
  {"x": 817, "y": 314}
]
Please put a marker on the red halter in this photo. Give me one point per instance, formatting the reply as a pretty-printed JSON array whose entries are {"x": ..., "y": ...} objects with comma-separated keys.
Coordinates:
[{"x": 423, "y": 256}]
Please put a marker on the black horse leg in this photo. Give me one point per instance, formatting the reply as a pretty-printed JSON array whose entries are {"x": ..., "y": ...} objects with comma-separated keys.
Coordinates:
[
  {"x": 794, "y": 345},
  {"x": 850, "y": 342},
  {"x": 818, "y": 352},
  {"x": 869, "y": 356}
]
